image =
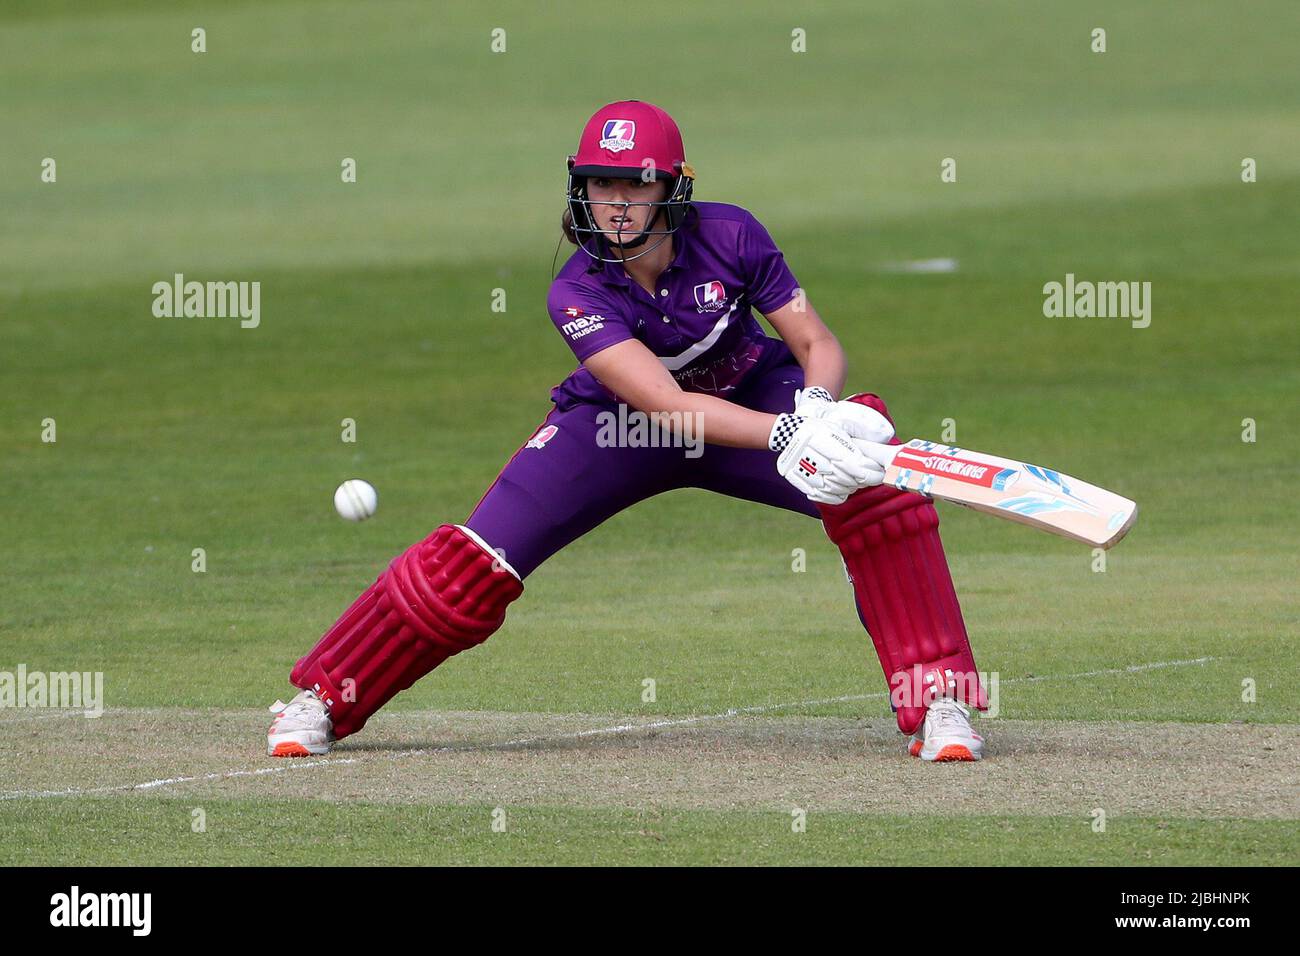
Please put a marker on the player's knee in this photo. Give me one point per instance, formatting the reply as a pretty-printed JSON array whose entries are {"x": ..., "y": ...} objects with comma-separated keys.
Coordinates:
[{"x": 452, "y": 588}]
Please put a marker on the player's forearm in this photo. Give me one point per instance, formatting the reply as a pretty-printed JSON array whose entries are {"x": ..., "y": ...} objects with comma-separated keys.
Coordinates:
[
  {"x": 715, "y": 421},
  {"x": 824, "y": 363},
  {"x": 813, "y": 345}
]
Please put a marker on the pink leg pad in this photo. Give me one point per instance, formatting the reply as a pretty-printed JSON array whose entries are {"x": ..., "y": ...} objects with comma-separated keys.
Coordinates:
[
  {"x": 441, "y": 596},
  {"x": 906, "y": 600}
]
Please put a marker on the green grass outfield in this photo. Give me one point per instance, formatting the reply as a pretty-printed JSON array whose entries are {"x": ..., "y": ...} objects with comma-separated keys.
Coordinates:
[
  {"x": 98, "y": 832},
  {"x": 175, "y": 434}
]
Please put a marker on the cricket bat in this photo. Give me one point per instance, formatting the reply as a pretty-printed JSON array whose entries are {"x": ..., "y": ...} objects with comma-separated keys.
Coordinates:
[{"x": 1039, "y": 497}]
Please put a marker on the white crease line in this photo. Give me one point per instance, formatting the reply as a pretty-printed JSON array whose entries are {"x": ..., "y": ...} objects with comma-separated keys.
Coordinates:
[
  {"x": 1130, "y": 669},
  {"x": 53, "y": 713},
  {"x": 168, "y": 781},
  {"x": 576, "y": 735},
  {"x": 49, "y": 715},
  {"x": 764, "y": 708}
]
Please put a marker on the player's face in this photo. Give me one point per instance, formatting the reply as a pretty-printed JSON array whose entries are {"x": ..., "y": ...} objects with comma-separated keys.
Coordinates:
[{"x": 620, "y": 222}]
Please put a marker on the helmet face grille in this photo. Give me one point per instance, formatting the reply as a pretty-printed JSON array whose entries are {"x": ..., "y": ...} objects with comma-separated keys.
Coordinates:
[{"x": 594, "y": 241}]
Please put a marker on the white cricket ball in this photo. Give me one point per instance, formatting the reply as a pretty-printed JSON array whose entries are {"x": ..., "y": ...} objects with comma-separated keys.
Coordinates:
[{"x": 356, "y": 500}]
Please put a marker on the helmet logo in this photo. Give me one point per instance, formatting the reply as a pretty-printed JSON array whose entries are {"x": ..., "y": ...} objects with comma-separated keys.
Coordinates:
[{"x": 618, "y": 135}]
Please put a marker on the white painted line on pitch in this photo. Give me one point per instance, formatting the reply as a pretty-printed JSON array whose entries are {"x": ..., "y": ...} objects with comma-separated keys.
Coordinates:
[
  {"x": 168, "y": 781},
  {"x": 576, "y": 735},
  {"x": 49, "y": 715},
  {"x": 54, "y": 713},
  {"x": 767, "y": 708},
  {"x": 1130, "y": 669}
]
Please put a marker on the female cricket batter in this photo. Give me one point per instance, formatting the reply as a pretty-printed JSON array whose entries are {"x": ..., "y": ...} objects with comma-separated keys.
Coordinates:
[{"x": 657, "y": 304}]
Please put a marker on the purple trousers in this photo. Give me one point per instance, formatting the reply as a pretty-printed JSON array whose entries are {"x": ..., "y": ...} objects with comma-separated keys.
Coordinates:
[{"x": 548, "y": 496}]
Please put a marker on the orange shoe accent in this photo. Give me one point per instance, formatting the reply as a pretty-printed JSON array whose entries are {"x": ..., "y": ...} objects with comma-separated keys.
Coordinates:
[
  {"x": 290, "y": 749},
  {"x": 954, "y": 752},
  {"x": 915, "y": 748}
]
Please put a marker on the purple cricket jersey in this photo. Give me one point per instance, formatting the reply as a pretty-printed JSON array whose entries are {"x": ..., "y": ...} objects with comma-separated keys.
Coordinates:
[{"x": 699, "y": 323}]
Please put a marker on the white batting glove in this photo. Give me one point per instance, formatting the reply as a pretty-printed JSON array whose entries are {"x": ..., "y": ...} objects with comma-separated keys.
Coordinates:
[
  {"x": 858, "y": 421},
  {"x": 807, "y": 400},
  {"x": 821, "y": 460}
]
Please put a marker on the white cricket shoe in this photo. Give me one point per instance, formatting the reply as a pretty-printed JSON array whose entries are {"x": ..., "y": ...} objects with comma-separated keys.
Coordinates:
[
  {"x": 946, "y": 734},
  {"x": 301, "y": 728}
]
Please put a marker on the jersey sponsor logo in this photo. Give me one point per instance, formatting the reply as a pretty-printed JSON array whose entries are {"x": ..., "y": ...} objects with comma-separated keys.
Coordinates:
[
  {"x": 618, "y": 135},
  {"x": 582, "y": 325},
  {"x": 544, "y": 434},
  {"x": 710, "y": 296},
  {"x": 574, "y": 312}
]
